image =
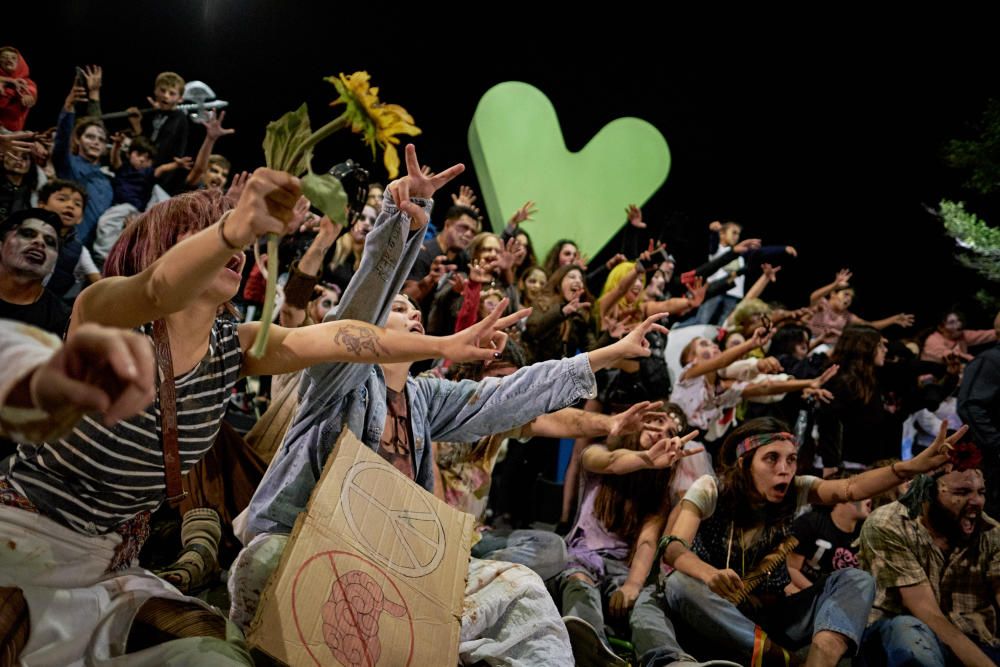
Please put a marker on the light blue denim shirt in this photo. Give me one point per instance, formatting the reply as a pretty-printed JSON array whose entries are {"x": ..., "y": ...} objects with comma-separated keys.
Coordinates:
[{"x": 341, "y": 395}]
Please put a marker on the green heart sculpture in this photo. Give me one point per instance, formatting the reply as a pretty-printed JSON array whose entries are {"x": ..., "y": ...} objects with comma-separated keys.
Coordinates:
[{"x": 519, "y": 154}]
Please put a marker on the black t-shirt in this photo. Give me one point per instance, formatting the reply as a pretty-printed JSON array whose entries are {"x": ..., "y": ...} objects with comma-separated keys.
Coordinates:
[
  {"x": 48, "y": 313},
  {"x": 822, "y": 543}
]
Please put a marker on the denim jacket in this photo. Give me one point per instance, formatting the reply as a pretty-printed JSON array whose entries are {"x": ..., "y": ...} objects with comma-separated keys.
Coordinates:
[{"x": 335, "y": 396}]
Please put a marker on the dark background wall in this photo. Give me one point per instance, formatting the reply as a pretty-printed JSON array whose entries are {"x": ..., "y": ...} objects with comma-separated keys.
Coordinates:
[{"x": 822, "y": 132}]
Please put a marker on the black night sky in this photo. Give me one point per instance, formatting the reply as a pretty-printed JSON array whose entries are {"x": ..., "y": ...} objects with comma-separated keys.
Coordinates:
[{"x": 823, "y": 132}]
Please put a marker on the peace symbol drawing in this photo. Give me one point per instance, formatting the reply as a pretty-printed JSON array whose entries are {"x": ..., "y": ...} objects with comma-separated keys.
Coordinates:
[{"x": 409, "y": 541}]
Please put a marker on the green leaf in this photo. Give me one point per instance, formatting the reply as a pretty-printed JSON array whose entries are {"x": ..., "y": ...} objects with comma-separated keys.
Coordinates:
[
  {"x": 283, "y": 139},
  {"x": 327, "y": 194}
]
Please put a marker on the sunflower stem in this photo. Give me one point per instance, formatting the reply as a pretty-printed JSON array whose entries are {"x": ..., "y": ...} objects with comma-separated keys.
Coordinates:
[
  {"x": 319, "y": 135},
  {"x": 267, "y": 311}
]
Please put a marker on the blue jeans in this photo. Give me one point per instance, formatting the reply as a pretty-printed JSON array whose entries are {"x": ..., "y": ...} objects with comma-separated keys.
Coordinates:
[
  {"x": 715, "y": 309},
  {"x": 905, "y": 641},
  {"x": 838, "y": 604},
  {"x": 541, "y": 550},
  {"x": 653, "y": 633},
  {"x": 585, "y": 600}
]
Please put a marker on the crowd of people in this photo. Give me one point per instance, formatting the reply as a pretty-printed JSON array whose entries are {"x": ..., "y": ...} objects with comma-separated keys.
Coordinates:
[{"x": 152, "y": 469}]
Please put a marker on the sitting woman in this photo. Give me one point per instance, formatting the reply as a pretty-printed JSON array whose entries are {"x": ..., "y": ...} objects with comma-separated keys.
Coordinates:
[
  {"x": 531, "y": 285},
  {"x": 613, "y": 544},
  {"x": 85, "y": 500},
  {"x": 728, "y": 547}
]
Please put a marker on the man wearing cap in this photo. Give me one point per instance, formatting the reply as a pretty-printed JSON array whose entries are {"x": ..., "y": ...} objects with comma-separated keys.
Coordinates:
[
  {"x": 29, "y": 247},
  {"x": 935, "y": 556}
]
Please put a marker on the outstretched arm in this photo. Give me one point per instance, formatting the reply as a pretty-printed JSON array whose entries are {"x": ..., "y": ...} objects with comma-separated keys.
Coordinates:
[
  {"x": 843, "y": 279},
  {"x": 178, "y": 278}
]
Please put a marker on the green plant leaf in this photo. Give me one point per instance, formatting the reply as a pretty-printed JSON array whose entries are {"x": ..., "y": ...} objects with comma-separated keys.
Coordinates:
[
  {"x": 327, "y": 194},
  {"x": 283, "y": 139}
]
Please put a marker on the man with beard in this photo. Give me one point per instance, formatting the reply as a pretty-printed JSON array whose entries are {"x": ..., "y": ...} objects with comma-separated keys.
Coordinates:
[
  {"x": 29, "y": 246},
  {"x": 935, "y": 556}
]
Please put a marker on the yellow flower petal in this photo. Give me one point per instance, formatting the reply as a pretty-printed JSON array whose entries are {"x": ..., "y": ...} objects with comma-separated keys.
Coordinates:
[{"x": 378, "y": 123}]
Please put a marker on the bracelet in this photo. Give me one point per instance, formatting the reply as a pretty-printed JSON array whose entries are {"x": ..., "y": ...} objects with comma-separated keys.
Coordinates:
[
  {"x": 221, "y": 224},
  {"x": 666, "y": 541}
]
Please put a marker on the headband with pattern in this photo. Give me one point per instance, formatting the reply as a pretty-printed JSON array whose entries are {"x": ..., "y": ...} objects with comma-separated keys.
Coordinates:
[{"x": 755, "y": 441}]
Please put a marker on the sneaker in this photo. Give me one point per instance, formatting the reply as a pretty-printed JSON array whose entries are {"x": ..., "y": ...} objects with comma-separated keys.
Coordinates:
[{"x": 588, "y": 649}]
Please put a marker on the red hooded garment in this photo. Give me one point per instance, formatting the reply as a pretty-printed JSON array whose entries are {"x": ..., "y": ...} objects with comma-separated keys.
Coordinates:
[{"x": 12, "y": 111}]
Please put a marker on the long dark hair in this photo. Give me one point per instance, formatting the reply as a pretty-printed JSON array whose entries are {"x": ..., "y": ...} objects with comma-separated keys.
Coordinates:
[
  {"x": 738, "y": 497},
  {"x": 552, "y": 292},
  {"x": 624, "y": 502},
  {"x": 552, "y": 259},
  {"x": 855, "y": 352}
]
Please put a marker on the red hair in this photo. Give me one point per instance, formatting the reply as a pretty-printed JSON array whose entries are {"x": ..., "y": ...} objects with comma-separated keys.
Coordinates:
[{"x": 157, "y": 230}]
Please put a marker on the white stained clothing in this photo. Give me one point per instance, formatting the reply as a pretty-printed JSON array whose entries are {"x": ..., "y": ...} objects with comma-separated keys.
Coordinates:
[
  {"x": 508, "y": 616},
  {"x": 110, "y": 226},
  {"x": 706, "y": 406},
  {"x": 704, "y": 493},
  {"x": 79, "y": 613},
  {"x": 84, "y": 267}
]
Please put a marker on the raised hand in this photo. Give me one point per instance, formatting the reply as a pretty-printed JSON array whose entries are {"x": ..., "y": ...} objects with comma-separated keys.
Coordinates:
[
  {"x": 843, "y": 278},
  {"x": 746, "y": 245},
  {"x": 466, "y": 197},
  {"x": 506, "y": 257},
  {"x": 769, "y": 365},
  {"x": 665, "y": 452},
  {"x": 236, "y": 187},
  {"x": 904, "y": 320},
  {"x": 523, "y": 214},
  {"x": 184, "y": 162},
  {"x": 93, "y": 75},
  {"x": 417, "y": 184},
  {"x": 300, "y": 212},
  {"x": 635, "y": 216},
  {"x": 820, "y": 394},
  {"x": 482, "y": 272},
  {"x": 615, "y": 261},
  {"x": 575, "y": 305},
  {"x": 17, "y": 141},
  {"x": 824, "y": 377},
  {"x": 213, "y": 126},
  {"x": 636, "y": 418},
  {"x": 439, "y": 267},
  {"x": 790, "y": 250},
  {"x": 635, "y": 343},
  {"x": 938, "y": 453},
  {"x": 770, "y": 271},
  {"x": 99, "y": 369},
  {"x": 697, "y": 290},
  {"x": 761, "y": 336},
  {"x": 484, "y": 340},
  {"x": 77, "y": 94},
  {"x": 266, "y": 206}
]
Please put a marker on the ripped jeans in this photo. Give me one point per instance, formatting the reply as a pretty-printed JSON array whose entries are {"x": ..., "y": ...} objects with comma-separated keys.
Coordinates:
[{"x": 905, "y": 641}]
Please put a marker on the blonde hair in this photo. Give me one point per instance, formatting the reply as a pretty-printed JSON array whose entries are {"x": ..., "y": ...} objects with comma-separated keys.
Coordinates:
[{"x": 170, "y": 80}]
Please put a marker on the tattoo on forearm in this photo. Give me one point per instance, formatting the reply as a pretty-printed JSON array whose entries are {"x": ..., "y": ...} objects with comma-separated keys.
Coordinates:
[{"x": 359, "y": 340}]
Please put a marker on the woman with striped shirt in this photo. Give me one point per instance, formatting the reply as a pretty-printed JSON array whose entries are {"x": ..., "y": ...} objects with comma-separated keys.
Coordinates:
[{"x": 77, "y": 509}]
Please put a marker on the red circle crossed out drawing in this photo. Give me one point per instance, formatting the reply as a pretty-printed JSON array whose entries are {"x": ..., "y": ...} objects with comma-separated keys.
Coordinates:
[{"x": 356, "y": 628}]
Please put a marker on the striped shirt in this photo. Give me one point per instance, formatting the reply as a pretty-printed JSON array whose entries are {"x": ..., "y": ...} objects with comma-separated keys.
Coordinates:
[{"x": 98, "y": 477}]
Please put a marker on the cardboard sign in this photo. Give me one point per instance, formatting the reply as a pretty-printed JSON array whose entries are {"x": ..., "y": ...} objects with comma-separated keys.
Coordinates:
[{"x": 374, "y": 572}]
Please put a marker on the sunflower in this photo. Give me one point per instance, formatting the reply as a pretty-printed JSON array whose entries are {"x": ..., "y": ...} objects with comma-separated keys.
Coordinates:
[{"x": 377, "y": 122}]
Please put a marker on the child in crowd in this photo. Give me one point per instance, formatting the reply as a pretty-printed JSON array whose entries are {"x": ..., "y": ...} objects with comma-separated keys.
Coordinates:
[
  {"x": 166, "y": 126},
  {"x": 18, "y": 93}
]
